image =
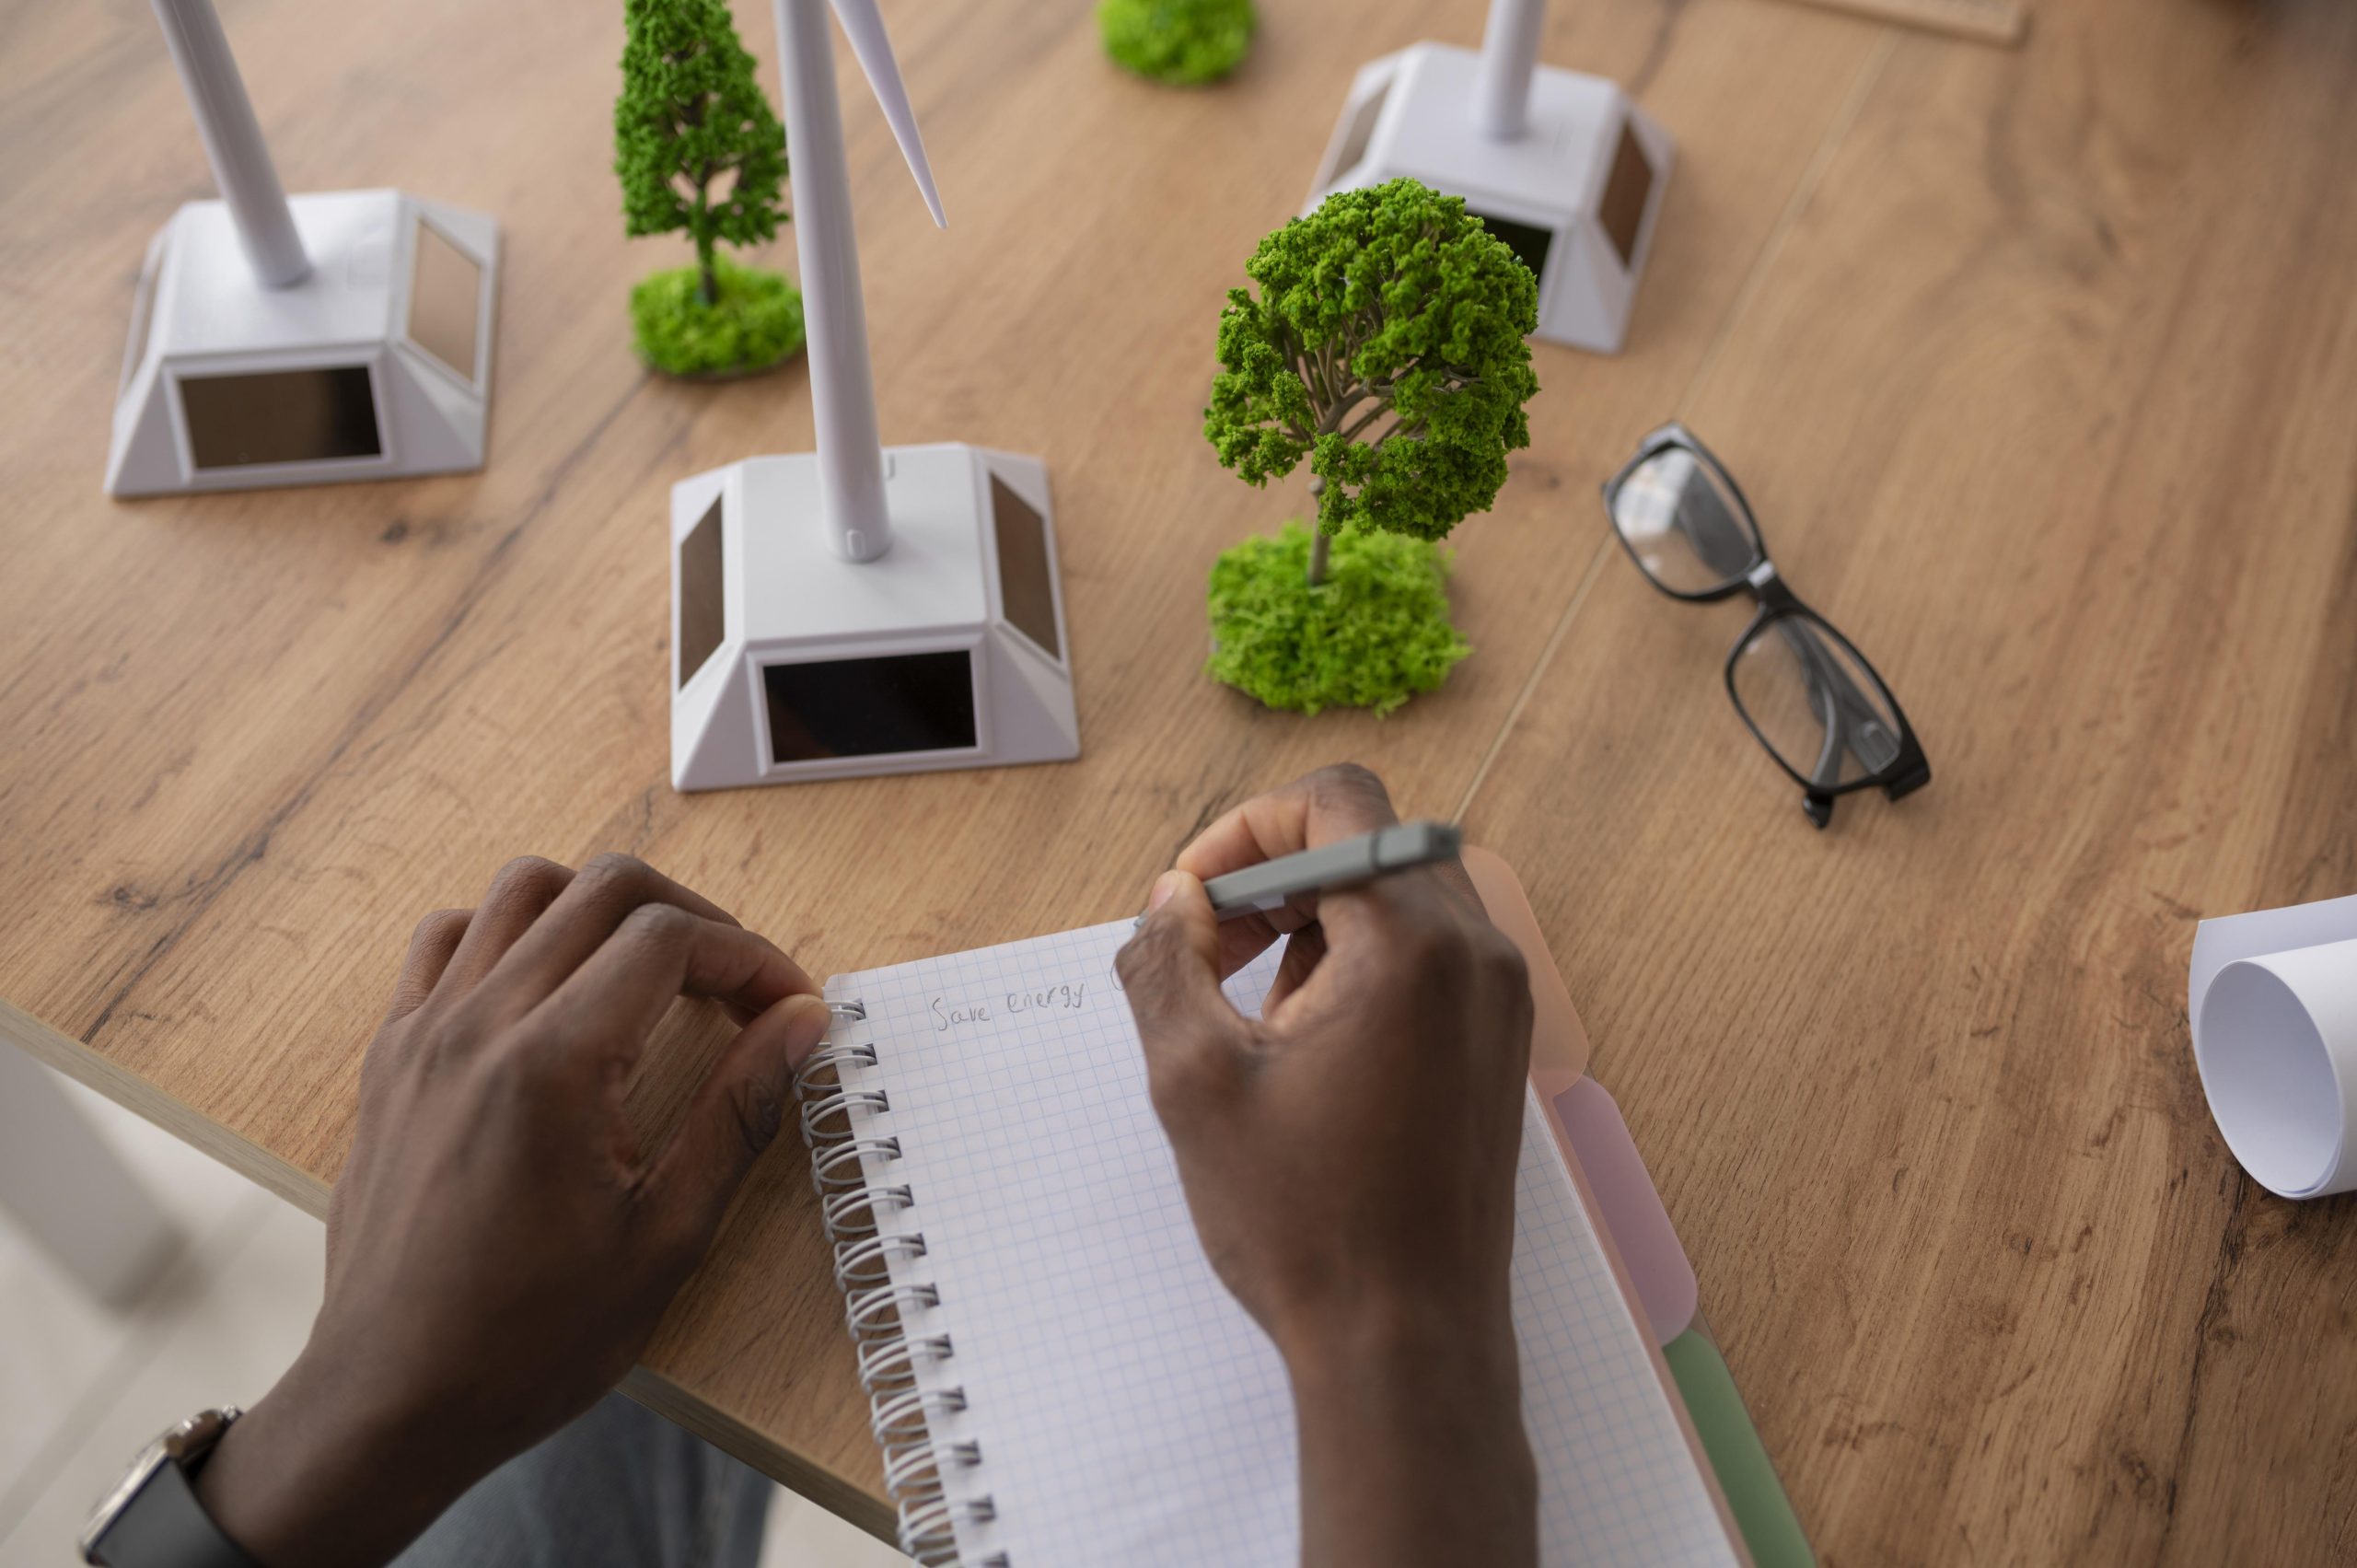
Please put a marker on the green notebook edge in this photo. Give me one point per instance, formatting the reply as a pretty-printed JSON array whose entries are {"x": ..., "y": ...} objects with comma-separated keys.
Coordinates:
[{"x": 1771, "y": 1531}]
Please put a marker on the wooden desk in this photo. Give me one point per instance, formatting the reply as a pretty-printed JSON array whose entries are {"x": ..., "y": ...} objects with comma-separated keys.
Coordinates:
[{"x": 2039, "y": 365}]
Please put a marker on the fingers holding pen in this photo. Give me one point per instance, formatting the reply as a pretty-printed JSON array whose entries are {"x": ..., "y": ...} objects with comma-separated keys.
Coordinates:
[
  {"x": 1336, "y": 802},
  {"x": 1188, "y": 1029},
  {"x": 1343, "y": 800}
]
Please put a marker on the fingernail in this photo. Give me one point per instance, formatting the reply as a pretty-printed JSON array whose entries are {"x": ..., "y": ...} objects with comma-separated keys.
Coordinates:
[{"x": 1163, "y": 885}]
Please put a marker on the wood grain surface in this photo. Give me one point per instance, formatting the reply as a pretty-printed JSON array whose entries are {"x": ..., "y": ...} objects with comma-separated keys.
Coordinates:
[{"x": 2041, "y": 366}]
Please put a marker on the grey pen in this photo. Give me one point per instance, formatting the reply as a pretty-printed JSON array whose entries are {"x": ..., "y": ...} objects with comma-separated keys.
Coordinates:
[{"x": 1329, "y": 867}]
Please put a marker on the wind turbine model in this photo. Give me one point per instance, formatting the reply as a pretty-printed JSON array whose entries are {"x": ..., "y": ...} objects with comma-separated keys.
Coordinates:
[
  {"x": 336, "y": 336},
  {"x": 1562, "y": 166},
  {"x": 861, "y": 608}
]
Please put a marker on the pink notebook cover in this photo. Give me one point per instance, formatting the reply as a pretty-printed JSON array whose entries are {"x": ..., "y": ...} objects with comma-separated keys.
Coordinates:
[{"x": 1646, "y": 1258}]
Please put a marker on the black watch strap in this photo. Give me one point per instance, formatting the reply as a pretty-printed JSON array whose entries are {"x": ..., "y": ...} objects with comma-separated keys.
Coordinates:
[{"x": 166, "y": 1526}]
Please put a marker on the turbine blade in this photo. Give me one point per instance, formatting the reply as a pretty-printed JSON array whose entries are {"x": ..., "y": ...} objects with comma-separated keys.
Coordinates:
[{"x": 863, "y": 25}]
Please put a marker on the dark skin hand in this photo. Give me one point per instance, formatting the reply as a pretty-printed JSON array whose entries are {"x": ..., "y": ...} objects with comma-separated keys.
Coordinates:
[
  {"x": 499, "y": 1249},
  {"x": 1348, "y": 1160}
]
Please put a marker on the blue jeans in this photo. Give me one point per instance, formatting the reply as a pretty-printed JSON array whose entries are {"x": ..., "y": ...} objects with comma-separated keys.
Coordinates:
[{"x": 619, "y": 1488}]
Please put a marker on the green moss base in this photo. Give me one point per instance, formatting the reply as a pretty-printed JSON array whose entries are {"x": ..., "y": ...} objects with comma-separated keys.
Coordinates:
[
  {"x": 1374, "y": 634},
  {"x": 1183, "y": 42},
  {"x": 755, "y": 324}
]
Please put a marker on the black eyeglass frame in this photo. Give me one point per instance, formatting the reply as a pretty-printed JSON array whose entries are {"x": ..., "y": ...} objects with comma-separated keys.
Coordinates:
[{"x": 1906, "y": 772}]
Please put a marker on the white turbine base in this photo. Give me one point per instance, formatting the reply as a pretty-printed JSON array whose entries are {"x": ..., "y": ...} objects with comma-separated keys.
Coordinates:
[
  {"x": 788, "y": 600},
  {"x": 1412, "y": 114},
  {"x": 200, "y": 313}
]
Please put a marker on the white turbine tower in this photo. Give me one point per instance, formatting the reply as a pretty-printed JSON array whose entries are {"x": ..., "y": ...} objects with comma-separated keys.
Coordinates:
[
  {"x": 1563, "y": 167},
  {"x": 336, "y": 336},
  {"x": 861, "y": 608}
]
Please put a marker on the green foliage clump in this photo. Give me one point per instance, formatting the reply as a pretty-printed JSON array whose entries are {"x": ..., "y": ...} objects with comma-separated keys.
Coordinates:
[
  {"x": 692, "y": 114},
  {"x": 1183, "y": 42},
  {"x": 753, "y": 323},
  {"x": 1385, "y": 346},
  {"x": 1376, "y": 633}
]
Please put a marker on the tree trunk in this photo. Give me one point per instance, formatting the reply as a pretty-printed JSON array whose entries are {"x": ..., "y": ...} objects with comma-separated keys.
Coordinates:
[
  {"x": 707, "y": 281},
  {"x": 700, "y": 224},
  {"x": 1320, "y": 546}
]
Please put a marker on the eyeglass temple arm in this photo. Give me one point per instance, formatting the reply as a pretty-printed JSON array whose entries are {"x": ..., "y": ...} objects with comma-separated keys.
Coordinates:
[
  {"x": 1817, "y": 801},
  {"x": 1720, "y": 541},
  {"x": 1849, "y": 715}
]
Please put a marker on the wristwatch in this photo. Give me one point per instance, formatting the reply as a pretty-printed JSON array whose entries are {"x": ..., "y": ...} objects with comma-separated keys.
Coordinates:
[{"x": 152, "y": 1518}]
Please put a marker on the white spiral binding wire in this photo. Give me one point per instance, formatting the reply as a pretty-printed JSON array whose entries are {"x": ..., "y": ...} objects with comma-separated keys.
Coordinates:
[{"x": 855, "y": 1204}]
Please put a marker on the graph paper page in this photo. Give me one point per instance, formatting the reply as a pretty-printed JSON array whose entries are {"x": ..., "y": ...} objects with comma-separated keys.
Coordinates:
[{"x": 1126, "y": 1408}]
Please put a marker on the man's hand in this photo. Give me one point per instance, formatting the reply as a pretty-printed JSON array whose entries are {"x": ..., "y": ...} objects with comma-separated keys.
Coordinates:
[
  {"x": 499, "y": 1249},
  {"x": 1348, "y": 1160}
]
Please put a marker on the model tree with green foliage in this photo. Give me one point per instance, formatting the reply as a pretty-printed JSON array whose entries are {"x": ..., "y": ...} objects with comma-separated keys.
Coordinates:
[
  {"x": 1385, "y": 346},
  {"x": 1183, "y": 42},
  {"x": 698, "y": 148}
]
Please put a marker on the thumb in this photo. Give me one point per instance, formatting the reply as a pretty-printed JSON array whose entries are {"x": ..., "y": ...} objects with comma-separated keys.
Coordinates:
[
  {"x": 1170, "y": 972},
  {"x": 735, "y": 1114}
]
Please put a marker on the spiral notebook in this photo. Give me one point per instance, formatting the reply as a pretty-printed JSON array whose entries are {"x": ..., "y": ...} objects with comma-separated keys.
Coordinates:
[{"x": 1057, "y": 1376}]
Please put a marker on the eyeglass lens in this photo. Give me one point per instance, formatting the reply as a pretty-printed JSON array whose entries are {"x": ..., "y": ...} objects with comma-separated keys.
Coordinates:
[
  {"x": 1816, "y": 706},
  {"x": 1682, "y": 524}
]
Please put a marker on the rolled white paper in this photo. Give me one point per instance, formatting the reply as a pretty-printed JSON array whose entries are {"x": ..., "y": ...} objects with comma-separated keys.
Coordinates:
[{"x": 2272, "y": 1000}]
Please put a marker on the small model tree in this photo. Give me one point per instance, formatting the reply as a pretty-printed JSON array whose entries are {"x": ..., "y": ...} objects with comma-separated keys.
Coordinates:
[
  {"x": 1387, "y": 347},
  {"x": 1183, "y": 42},
  {"x": 698, "y": 148}
]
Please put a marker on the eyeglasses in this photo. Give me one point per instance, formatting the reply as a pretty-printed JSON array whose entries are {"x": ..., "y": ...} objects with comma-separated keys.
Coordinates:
[{"x": 1806, "y": 694}]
